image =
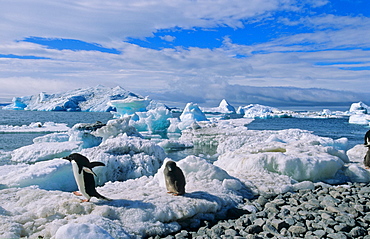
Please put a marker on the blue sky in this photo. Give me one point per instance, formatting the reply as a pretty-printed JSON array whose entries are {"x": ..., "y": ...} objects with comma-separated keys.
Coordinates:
[{"x": 276, "y": 52}]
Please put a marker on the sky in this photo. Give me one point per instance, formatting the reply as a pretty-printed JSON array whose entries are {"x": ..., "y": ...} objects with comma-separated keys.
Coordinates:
[{"x": 274, "y": 52}]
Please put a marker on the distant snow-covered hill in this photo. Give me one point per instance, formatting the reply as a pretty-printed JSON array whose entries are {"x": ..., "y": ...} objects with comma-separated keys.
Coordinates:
[{"x": 93, "y": 99}]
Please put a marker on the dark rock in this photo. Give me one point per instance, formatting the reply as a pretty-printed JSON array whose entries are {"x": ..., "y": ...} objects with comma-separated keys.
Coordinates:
[
  {"x": 254, "y": 229},
  {"x": 358, "y": 231}
]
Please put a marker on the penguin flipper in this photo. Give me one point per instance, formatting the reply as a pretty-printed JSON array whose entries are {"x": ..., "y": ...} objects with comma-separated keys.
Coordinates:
[
  {"x": 95, "y": 164},
  {"x": 88, "y": 170}
]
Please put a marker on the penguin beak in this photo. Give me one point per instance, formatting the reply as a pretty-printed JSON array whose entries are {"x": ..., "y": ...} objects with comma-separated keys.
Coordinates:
[{"x": 68, "y": 158}]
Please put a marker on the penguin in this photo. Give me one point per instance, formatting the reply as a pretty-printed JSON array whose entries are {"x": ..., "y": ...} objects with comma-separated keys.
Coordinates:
[
  {"x": 84, "y": 176},
  {"x": 367, "y": 138},
  {"x": 367, "y": 157},
  {"x": 174, "y": 178}
]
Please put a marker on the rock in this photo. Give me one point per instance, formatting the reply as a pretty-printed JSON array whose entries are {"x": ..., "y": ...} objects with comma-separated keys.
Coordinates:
[
  {"x": 253, "y": 229},
  {"x": 358, "y": 231},
  {"x": 297, "y": 230},
  {"x": 319, "y": 233},
  {"x": 337, "y": 236},
  {"x": 262, "y": 201}
]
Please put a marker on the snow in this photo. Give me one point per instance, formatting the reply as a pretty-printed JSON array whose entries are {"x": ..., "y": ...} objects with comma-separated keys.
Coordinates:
[
  {"x": 35, "y": 127},
  {"x": 360, "y": 114},
  {"x": 37, "y": 183},
  {"x": 154, "y": 120},
  {"x": 116, "y": 127},
  {"x": 44, "y": 151},
  {"x": 363, "y": 119},
  {"x": 93, "y": 99},
  {"x": 140, "y": 207},
  {"x": 191, "y": 114},
  {"x": 224, "y": 108},
  {"x": 254, "y": 111},
  {"x": 359, "y": 107},
  {"x": 130, "y": 105},
  {"x": 82, "y": 230}
]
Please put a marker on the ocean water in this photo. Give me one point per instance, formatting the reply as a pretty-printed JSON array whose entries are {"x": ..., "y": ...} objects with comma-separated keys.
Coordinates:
[
  {"x": 332, "y": 127},
  {"x": 11, "y": 141}
]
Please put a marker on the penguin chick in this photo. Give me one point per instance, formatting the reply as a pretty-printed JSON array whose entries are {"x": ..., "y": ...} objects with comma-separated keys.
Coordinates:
[
  {"x": 175, "y": 179},
  {"x": 84, "y": 176}
]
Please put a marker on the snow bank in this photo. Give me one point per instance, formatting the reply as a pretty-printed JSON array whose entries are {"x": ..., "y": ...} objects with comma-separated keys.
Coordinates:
[
  {"x": 295, "y": 153},
  {"x": 53, "y": 174},
  {"x": 125, "y": 158},
  {"x": 274, "y": 160},
  {"x": 140, "y": 207},
  {"x": 44, "y": 151},
  {"x": 82, "y": 230},
  {"x": 116, "y": 127}
]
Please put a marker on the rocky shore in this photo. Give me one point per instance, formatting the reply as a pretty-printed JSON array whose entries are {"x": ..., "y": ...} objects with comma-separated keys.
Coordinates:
[{"x": 326, "y": 211}]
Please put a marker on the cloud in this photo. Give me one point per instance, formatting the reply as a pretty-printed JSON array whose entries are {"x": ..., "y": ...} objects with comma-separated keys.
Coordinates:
[
  {"x": 314, "y": 59},
  {"x": 110, "y": 22},
  {"x": 168, "y": 38}
]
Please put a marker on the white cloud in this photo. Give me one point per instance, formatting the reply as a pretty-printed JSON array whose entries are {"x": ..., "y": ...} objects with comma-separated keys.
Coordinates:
[
  {"x": 168, "y": 38},
  {"x": 192, "y": 74},
  {"x": 110, "y": 22}
]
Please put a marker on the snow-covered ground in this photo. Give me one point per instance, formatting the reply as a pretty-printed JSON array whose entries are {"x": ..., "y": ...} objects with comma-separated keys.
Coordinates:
[{"x": 36, "y": 184}]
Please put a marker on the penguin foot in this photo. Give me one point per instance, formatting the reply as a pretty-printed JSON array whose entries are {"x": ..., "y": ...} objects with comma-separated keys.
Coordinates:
[
  {"x": 85, "y": 200},
  {"x": 77, "y": 193}
]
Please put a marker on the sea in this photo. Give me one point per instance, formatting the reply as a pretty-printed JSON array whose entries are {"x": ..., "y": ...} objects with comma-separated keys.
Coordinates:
[{"x": 327, "y": 127}]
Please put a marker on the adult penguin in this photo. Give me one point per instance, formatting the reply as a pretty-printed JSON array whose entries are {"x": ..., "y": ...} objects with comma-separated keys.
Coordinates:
[
  {"x": 367, "y": 138},
  {"x": 367, "y": 157},
  {"x": 174, "y": 178},
  {"x": 84, "y": 176}
]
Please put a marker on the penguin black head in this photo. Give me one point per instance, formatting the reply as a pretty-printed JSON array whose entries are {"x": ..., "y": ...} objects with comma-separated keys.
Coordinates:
[
  {"x": 171, "y": 165},
  {"x": 82, "y": 161},
  {"x": 79, "y": 159}
]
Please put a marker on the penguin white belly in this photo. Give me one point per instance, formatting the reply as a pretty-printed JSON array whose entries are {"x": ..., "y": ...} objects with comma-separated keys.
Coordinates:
[{"x": 79, "y": 177}]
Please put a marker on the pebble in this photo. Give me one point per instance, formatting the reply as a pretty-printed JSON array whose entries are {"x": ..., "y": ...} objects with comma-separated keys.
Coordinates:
[{"x": 323, "y": 211}]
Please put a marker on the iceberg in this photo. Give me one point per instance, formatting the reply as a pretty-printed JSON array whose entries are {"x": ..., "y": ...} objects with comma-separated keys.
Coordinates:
[
  {"x": 223, "y": 108},
  {"x": 129, "y": 105},
  {"x": 359, "y": 108},
  {"x": 360, "y": 114},
  {"x": 189, "y": 116},
  {"x": 154, "y": 121},
  {"x": 234, "y": 164},
  {"x": 254, "y": 111},
  {"x": 93, "y": 99}
]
